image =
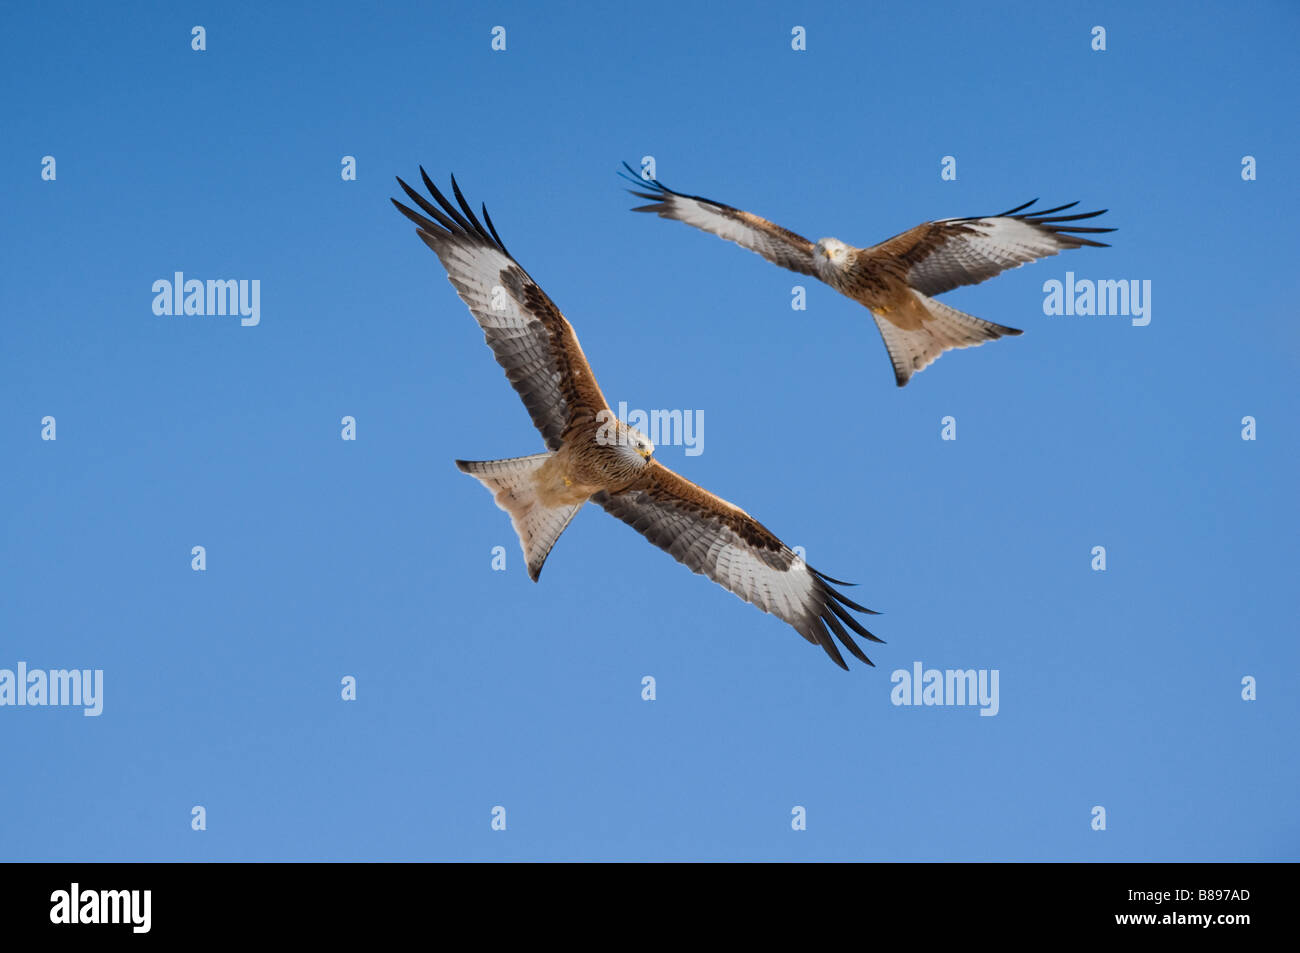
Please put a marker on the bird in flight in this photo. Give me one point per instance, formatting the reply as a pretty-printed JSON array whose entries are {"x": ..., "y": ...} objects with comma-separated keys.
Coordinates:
[
  {"x": 592, "y": 455},
  {"x": 897, "y": 279}
]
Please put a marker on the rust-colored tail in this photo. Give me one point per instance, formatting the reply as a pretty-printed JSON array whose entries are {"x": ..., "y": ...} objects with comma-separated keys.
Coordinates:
[
  {"x": 512, "y": 486},
  {"x": 945, "y": 328}
]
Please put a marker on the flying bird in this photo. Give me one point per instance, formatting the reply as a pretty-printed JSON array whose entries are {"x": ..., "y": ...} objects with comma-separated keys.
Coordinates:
[
  {"x": 897, "y": 279},
  {"x": 592, "y": 455}
]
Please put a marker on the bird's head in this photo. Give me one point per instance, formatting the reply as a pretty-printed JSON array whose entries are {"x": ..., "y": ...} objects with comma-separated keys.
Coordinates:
[
  {"x": 830, "y": 251},
  {"x": 632, "y": 445},
  {"x": 640, "y": 443}
]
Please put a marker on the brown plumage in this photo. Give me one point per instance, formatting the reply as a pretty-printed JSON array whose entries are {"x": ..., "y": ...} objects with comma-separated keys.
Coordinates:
[
  {"x": 591, "y": 455},
  {"x": 897, "y": 278}
]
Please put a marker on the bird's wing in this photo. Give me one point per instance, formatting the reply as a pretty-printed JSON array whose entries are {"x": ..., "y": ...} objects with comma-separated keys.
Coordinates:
[
  {"x": 939, "y": 256},
  {"x": 778, "y": 245},
  {"x": 722, "y": 541},
  {"x": 527, "y": 333}
]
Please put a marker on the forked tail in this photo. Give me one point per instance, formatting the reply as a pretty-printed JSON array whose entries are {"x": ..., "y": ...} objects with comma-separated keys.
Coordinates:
[
  {"x": 513, "y": 486},
  {"x": 945, "y": 328}
]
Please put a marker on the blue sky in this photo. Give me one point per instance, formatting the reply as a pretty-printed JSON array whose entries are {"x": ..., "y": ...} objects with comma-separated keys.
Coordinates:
[{"x": 372, "y": 558}]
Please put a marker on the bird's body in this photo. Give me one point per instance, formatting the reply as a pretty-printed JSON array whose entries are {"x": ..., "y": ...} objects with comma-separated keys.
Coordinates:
[
  {"x": 592, "y": 456},
  {"x": 586, "y": 464},
  {"x": 881, "y": 290},
  {"x": 897, "y": 278}
]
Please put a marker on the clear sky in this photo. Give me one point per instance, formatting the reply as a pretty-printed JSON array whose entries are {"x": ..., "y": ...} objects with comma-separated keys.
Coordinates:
[{"x": 1120, "y": 689}]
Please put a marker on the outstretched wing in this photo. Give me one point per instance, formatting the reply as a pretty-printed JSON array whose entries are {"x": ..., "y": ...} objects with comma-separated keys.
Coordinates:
[
  {"x": 939, "y": 256},
  {"x": 722, "y": 541},
  {"x": 526, "y": 331},
  {"x": 778, "y": 245}
]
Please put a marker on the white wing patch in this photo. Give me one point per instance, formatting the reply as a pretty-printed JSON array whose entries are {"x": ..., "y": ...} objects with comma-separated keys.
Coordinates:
[
  {"x": 773, "y": 579},
  {"x": 778, "y": 245},
  {"x": 999, "y": 244},
  {"x": 786, "y": 594},
  {"x": 475, "y": 272},
  {"x": 710, "y": 218}
]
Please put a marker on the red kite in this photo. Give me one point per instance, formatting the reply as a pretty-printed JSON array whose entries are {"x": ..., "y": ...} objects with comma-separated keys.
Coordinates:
[
  {"x": 895, "y": 279},
  {"x": 591, "y": 455}
]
